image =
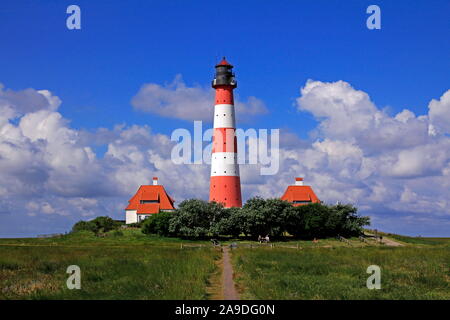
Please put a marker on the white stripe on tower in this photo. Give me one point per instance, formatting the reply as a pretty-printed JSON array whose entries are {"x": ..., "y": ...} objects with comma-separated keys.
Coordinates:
[{"x": 224, "y": 116}]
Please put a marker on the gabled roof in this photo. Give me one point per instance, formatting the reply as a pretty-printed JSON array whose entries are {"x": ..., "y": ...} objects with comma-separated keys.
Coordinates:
[
  {"x": 224, "y": 62},
  {"x": 150, "y": 193},
  {"x": 300, "y": 193},
  {"x": 144, "y": 208}
]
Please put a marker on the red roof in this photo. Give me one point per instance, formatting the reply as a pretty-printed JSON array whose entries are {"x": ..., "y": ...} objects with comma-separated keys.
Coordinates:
[
  {"x": 155, "y": 193},
  {"x": 144, "y": 208},
  {"x": 224, "y": 62},
  {"x": 301, "y": 194}
]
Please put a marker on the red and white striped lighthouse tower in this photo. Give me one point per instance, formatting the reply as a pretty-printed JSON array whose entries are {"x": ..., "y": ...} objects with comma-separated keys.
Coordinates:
[{"x": 225, "y": 185}]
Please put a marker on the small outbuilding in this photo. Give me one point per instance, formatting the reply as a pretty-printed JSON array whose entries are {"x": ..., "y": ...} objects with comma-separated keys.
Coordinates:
[
  {"x": 300, "y": 194},
  {"x": 148, "y": 200}
]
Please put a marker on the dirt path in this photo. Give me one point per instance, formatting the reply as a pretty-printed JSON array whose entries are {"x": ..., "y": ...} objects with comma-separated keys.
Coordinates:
[
  {"x": 388, "y": 242},
  {"x": 229, "y": 289},
  {"x": 392, "y": 243}
]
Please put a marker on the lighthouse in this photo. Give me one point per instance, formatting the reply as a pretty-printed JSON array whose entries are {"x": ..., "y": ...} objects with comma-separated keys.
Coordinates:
[{"x": 225, "y": 184}]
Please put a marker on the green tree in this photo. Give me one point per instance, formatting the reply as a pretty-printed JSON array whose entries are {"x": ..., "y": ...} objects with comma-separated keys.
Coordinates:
[
  {"x": 318, "y": 220},
  {"x": 348, "y": 222},
  {"x": 231, "y": 222},
  {"x": 158, "y": 224},
  {"x": 265, "y": 216},
  {"x": 197, "y": 218}
]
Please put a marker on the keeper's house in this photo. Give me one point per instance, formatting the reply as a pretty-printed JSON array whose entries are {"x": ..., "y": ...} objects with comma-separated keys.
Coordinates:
[
  {"x": 148, "y": 200},
  {"x": 300, "y": 194}
]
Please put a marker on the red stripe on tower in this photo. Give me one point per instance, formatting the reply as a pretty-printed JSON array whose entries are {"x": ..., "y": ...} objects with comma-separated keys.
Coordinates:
[{"x": 225, "y": 185}]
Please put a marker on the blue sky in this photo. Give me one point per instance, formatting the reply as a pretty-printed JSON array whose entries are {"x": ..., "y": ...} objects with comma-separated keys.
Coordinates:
[{"x": 275, "y": 46}]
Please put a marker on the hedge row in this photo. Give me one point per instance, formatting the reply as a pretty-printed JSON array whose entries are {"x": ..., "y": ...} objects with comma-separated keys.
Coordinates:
[{"x": 274, "y": 217}]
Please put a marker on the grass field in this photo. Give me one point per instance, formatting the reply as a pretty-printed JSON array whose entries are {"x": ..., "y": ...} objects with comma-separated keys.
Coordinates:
[
  {"x": 129, "y": 267},
  {"x": 340, "y": 273},
  {"x": 421, "y": 241}
]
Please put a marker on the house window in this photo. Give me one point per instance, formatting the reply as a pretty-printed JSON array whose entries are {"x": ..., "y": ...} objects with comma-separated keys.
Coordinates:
[
  {"x": 301, "y": 201},
  {"x": 142, "y": 218},
  {"x": 149, "y": 201}
]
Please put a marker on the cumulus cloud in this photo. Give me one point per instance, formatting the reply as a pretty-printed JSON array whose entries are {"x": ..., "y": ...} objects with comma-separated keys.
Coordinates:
[
  {"x": 16, "y": 103},
  {"x": 176, "y": 100},
  {"x": 42, "y": 155},
  {"x": 439, "y": 112}
]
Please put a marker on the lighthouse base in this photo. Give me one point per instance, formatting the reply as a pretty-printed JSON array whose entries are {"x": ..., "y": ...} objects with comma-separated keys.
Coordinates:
[{"x": 226, "y": 190}]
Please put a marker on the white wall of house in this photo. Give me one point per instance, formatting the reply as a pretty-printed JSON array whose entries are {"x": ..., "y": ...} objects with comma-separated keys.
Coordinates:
[{"x": 130, "y": 216}]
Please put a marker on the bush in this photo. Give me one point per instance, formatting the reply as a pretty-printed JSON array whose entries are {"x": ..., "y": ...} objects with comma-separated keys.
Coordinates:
[
  {"x": 349, "y": 223},
  {"x": 97, "y": 225},
  {"x": 197, "y": 218},
  {"x": 83, "y": 226},
  {"x": 232, "y": 222},
  {"x": 158, "y": 224},
  {"x": 265, "y": 216},
  {"x": 317, "y": 220},
  {"x": 135, "y": 224},
  {"x": 117, "y": 233}
]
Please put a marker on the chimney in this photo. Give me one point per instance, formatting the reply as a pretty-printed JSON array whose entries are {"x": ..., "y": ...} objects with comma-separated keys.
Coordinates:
[
  {"x": 155, "y": 181},
  {"x": 298, "y": 181}
]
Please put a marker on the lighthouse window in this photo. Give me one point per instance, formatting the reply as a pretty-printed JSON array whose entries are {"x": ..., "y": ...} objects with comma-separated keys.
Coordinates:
[{"x": 225, "y": 171}]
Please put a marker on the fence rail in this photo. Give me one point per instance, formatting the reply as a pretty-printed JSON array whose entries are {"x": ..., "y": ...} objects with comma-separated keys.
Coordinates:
[{"x": 341, "y": 238}]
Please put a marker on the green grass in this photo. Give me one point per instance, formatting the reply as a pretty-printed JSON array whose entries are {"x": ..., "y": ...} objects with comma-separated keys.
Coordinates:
[
  {"x": 421, "y": 240},
  {"x": 82, "y": 238},
  {"x": 131, "y": 265},
  {"x": 354, "y": 242},
  {"x": 417, "y": 241},
  {"x": 117, "y": 267},
  {"x": 322, "y": 273}
]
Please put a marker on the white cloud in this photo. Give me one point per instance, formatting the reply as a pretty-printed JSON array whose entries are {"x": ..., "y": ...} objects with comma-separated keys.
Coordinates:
[
  {"x": 439, "y": 111},
  {"x": 176, "y": 100},
  {"x": 334, "y": 103}
]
